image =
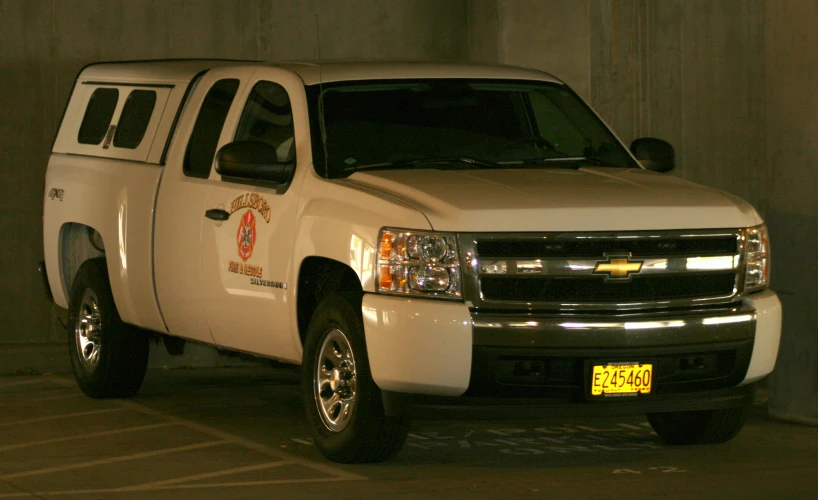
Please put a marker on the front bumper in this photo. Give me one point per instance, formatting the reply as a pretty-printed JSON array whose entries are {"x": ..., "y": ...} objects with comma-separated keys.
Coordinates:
[
  {"x": 436, "y": 348},
  {"x": 418, "y": 406}
]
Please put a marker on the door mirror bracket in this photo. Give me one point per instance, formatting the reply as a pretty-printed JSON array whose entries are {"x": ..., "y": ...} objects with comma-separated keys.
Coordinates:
[{"x": 654, "y": 154}]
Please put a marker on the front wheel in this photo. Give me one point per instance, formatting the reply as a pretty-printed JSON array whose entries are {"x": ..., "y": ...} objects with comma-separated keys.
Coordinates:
[
  {"x": 698, "y": 427},
  {"x": 108, "y": 357},
  {"x": 342, "y": 402}
]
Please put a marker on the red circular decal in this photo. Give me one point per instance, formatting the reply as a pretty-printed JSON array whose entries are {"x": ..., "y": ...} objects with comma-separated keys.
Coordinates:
[{"x": 246, "y": 236}]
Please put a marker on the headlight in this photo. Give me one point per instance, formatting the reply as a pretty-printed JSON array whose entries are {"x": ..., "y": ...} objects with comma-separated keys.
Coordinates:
[
  {"x": 756, "y": 258},
  {"x": 418, "y": 263}
]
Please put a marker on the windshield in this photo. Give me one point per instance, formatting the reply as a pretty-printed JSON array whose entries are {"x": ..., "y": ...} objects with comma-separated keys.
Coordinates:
[{"x": 454, "y": 123}]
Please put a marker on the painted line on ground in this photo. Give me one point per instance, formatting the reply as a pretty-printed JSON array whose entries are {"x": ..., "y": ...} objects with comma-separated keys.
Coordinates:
[
  {"x": 85, "y": 436},
  {"x": 113, "y": 460},
  {"x": 26, "y": 382},
  {"x": 60, "y": 417},
  {"x": 40, "y": 494},
  {"x": 63, "y": 382},
  {"x": 61, "y": 396},
  {"x": 18, "y": 401},
  {"x": 224, "y": 437},
  {"x": 261, "y": 448},
  {"x": 206, "y": 475}
]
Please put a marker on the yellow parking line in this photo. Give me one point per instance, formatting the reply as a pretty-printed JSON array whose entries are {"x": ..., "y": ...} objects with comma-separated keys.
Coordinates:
[
  {"x": 84, "y": 436},
  {"x": 246, "y": 443},
  {"x": 174, "y": 487},
  {"x": 207, "y": 475},
  {"x": 26, "y": 382},
  {"x": 105, "y": 461},
  {"x": 59, "y": 417},
  {"x": 52, "y": 398},
  {"x": 251, "y": 483},
  {"x": 182, "y": 483}
]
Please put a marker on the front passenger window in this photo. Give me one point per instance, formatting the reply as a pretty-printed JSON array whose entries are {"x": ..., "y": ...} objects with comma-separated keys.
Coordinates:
[{"x": 268, "y": 118}]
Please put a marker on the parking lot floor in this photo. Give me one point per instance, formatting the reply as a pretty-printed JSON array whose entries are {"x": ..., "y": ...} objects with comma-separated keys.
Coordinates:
[{"x": 240, "y": 433}]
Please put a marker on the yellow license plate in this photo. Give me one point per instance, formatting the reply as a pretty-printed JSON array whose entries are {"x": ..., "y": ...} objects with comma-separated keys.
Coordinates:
[{"x": 621, "y": 378}]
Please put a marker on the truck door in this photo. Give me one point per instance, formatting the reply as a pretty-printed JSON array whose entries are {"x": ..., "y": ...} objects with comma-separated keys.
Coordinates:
[
  {"x": 246, "y": 259},
  {"x": 181, "y": 199}
]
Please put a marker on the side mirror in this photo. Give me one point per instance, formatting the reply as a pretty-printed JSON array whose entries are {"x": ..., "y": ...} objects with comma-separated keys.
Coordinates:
[
  {"x": 654, "y": 154},
  {"x": 255, "y": 161}
]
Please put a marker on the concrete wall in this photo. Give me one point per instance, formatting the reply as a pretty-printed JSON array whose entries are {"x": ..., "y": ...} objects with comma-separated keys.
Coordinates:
[
  {"x": 484, "y": 25},
  {"x": 43, "y": 43},
  {"x": 691, "y": 73},
  {"x": 791, "y": 83},
  {"x": 550, "y": 35}
]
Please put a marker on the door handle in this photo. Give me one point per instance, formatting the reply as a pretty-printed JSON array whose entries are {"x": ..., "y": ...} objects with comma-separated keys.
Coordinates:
[{"x": 217, "y": 214}]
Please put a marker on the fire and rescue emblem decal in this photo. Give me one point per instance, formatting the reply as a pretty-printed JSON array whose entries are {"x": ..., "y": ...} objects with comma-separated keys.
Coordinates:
[
  {"x": 246, "y": 237},
  {"x": 252, "y": 200}
]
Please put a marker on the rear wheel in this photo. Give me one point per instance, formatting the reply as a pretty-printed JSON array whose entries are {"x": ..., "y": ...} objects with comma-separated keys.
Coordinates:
[
  {"x": 698, "y": 427},
  {"x": 342, "y": 402},
  {"x": 108, "y": 357}
]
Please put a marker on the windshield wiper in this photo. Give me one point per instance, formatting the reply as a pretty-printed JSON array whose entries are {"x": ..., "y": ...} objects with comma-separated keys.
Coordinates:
[
  {"x": 599, "y": 162},
  {"x": 427, "y": 163},
  {"x": 570, "y": 161}
]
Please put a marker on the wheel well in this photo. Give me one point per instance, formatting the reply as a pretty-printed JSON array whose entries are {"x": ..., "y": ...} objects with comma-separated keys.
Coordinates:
[
  {"x": 318, "y": 278},
  {"x": 78, "y": 243}
]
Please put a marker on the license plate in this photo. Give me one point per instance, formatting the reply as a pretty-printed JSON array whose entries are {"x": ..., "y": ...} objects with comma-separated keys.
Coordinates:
[{"x": 621, "y": 379}]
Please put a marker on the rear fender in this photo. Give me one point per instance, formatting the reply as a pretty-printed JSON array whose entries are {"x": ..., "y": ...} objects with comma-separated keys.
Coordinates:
[{"x": 116, "y": 199}]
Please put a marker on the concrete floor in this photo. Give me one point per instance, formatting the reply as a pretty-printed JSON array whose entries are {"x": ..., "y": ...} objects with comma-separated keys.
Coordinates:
[{"x": 239, "y": 433}]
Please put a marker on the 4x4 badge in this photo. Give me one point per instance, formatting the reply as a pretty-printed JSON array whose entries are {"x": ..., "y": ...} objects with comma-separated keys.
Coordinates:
[{"x": 618, "y": 267}]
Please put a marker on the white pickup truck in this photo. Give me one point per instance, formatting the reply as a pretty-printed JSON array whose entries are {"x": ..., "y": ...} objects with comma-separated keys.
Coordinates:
[{"x": 424, "y": 239}]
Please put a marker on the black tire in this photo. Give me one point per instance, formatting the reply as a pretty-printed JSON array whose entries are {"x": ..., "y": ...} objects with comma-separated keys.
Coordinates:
[
  {"x": 367, "y": 435},
  {"x": 113, "y": 359},
  {"x": 698, "y": 427}
]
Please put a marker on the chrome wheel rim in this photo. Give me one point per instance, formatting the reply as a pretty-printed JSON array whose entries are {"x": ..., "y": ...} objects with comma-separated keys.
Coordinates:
[
  {"x": 335, "y": 381},
  {"x": 87, "y": 331}
]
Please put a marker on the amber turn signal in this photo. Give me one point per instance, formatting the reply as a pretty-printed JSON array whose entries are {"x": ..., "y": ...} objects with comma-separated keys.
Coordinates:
[
  {"x": 385, "y": 278},
  {"x": 386, "y": 245}
]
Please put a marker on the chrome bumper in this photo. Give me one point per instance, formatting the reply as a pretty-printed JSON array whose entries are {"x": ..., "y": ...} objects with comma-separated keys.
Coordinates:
[
  {"x": 550, "y": 356},
  {"x": 659, "y": 329}
]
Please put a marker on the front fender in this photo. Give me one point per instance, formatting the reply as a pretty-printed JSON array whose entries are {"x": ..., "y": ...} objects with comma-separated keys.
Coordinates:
[{"x": 341, "y": 222}]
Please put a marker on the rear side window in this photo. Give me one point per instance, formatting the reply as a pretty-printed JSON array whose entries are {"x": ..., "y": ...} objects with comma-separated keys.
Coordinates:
[
  {"x": 205, "y": 136},
  {"x": 136, "y": 114},
  {"x": 98, "y": 116}
]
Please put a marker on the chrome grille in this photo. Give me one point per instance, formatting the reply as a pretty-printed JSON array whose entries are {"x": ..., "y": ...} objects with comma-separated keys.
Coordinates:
[
  {"x": 544, "y": 246},
  {"x": 573, "y": 271}
]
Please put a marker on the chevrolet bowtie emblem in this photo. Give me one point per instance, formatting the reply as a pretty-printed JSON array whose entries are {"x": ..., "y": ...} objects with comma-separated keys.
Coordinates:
[{"x": 618, "y": 267}]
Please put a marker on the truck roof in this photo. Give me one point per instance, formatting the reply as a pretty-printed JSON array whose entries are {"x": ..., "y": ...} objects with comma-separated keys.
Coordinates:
[{"x": 310, "y": 72}]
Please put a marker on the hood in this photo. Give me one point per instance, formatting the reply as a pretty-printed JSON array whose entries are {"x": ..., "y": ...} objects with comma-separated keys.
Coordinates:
[{"x": 588, "y": 199}]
